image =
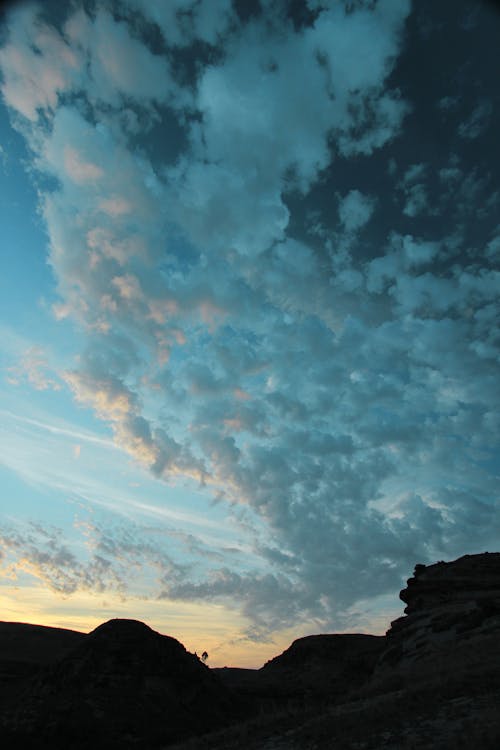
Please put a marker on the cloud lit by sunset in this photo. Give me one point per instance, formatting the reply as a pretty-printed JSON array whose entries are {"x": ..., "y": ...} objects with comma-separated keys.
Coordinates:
[{"x": 249, "y": 329}]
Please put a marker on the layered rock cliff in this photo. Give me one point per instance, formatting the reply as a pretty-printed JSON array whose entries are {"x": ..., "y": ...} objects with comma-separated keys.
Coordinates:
[{"x": 451, "y": 627}]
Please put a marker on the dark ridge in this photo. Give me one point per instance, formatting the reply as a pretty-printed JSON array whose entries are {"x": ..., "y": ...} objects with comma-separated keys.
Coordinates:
[
  {"x": 25, "y": 649},
  {"x": 342, "y": 648},
  {"x": 35, "y": 644}
]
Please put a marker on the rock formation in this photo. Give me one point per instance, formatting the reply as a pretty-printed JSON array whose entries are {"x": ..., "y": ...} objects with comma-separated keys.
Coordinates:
[{"x": 451, "y": 627}]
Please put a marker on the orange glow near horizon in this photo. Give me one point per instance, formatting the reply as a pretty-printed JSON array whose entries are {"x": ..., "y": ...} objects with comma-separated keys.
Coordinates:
[
  {"x": 210, "y": 627},
  {"x": 199, "y": 627}
]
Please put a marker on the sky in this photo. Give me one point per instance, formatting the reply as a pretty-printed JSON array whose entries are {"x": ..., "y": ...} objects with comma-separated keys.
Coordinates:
[{"x": 248, "y": 311}]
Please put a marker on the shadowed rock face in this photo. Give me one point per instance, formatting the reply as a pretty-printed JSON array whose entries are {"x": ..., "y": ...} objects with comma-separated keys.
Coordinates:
[
  {"x": 452, "y": 624},
  {"x": 468, "y": 583},
  {"x": 124, "y": 684},
  {"x": 317, "y": 667},
  {"x": 328, "y": 664}
]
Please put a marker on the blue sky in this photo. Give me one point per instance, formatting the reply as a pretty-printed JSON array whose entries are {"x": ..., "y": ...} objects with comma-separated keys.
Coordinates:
[{"x": 249, "y": 311}]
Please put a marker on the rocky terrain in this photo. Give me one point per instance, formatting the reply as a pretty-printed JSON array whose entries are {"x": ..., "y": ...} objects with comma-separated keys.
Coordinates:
[
  {"x": 433, "y": 681},
  {"x": 451, "y": 627}
]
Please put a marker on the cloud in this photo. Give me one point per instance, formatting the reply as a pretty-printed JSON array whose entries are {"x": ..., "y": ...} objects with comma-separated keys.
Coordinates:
[
  {"x": 121, "y": 65},
  {"x": 43, "y": 554},
  {"x": 114, "y": 402},
  {"x": 37, "y": 64},
  {"x": 414, "y": 188},
  {"x": 181, "y": 22},
  {"x": 97, "y": 57},
  {"x": 79, "y": 170},
  {"x": 244, "y": 146},
  {"x": 35, "y": 369},
  {"x": 112, "y": 555},
  {"x": 335, "y": 391},
  {"x": 477, "y": 122},
  {"x": 355, "y": 210}
]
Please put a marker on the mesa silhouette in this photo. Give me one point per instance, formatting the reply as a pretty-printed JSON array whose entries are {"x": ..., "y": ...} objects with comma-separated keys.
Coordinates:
[{"x": 433, "y": 681}]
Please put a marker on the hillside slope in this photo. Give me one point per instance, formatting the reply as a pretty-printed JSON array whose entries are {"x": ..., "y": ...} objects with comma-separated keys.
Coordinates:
[{"x": 123, "y": 685}]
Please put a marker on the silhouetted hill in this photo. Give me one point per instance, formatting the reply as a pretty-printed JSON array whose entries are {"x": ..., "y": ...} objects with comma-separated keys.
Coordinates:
[
  {"x": 35, "y": 644},
  {"x": 123, "y": 685},
  {"x": 24, "y": 649},
  {"x": 314, "y": 668},
  {"x": 326, "y": 664},
  {"x": 433, "y": 681}
]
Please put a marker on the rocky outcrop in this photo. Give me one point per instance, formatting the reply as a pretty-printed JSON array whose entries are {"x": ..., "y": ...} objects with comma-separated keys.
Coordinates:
[{"x": 451, "y": 627}]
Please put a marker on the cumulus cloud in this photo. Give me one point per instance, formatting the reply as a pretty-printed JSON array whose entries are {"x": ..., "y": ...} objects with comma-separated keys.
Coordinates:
[
  {"x": 355, "y": 210},
  {"x": 120, "y": 64},
  {"x": 246, "y": 146},
  {"x": 29, "y": 86},
  {"x": 336, "y": 391}
]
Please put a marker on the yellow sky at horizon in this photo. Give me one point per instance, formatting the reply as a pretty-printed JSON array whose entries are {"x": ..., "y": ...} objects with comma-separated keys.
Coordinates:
[
  {"x": 210, "y": 627},
  {"x": 199, "y": 627}
]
